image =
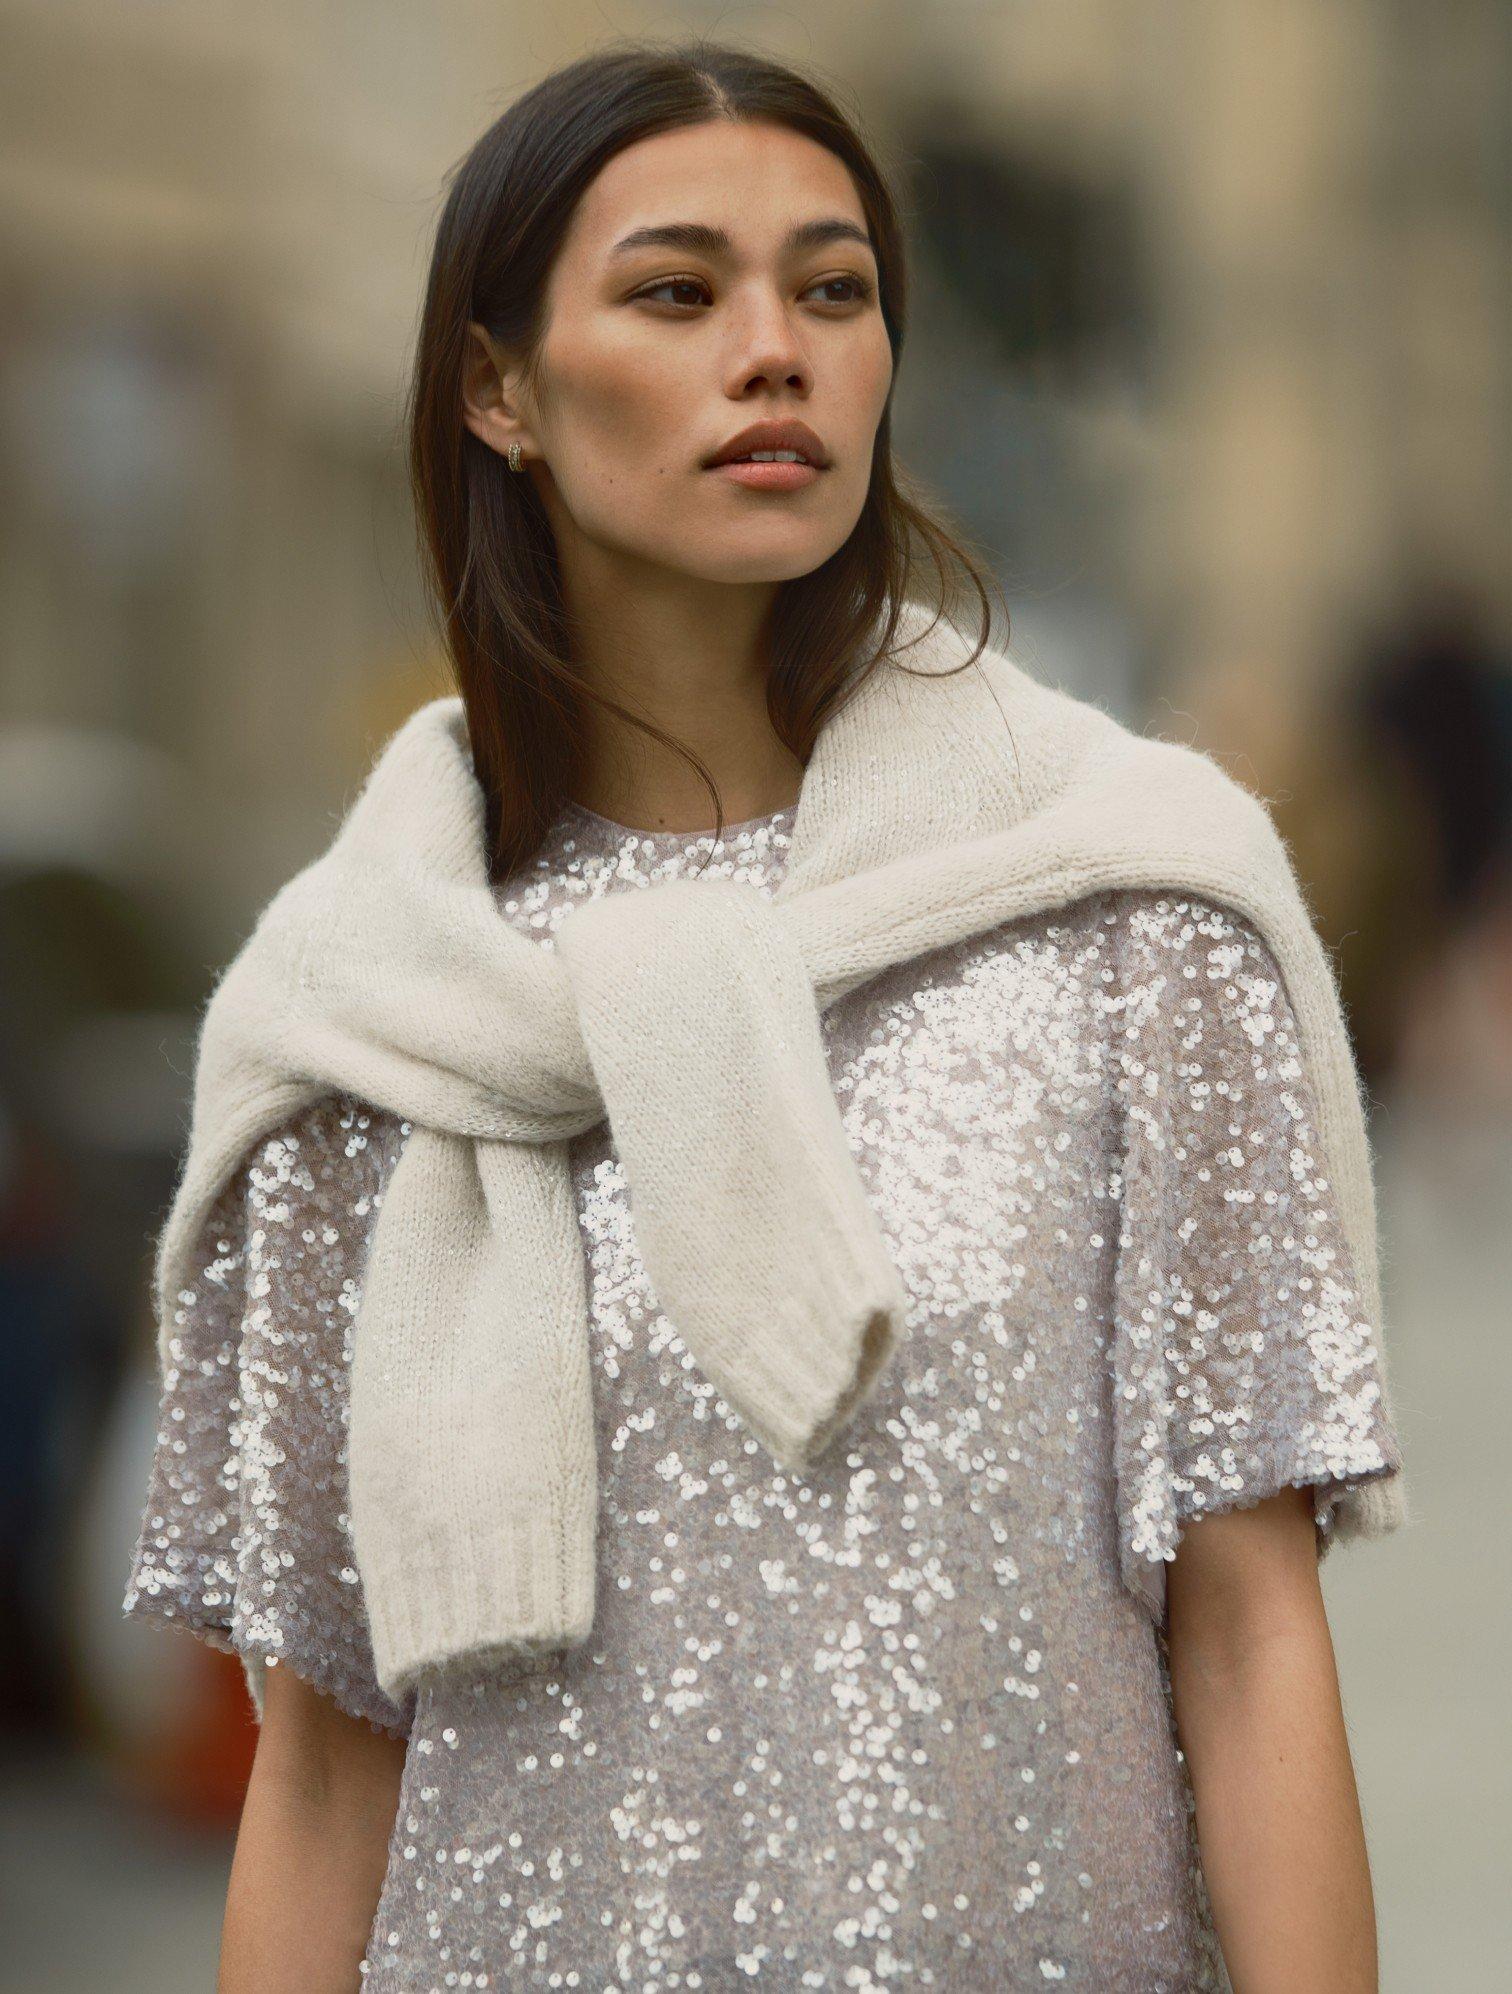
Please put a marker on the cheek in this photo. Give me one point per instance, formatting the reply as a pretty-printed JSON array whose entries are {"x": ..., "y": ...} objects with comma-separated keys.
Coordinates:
[
  {"x": 617, "y": 415},
  {"x": 870, "y": 378}
]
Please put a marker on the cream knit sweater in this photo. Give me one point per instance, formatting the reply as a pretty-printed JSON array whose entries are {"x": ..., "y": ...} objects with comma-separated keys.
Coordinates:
[{"x": 934, "y": 807}]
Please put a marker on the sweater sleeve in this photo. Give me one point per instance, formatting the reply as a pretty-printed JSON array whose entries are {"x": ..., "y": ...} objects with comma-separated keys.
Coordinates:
[
  {"x": 1242, "y": 1360},
  {"x": 245, "y": 1538}
]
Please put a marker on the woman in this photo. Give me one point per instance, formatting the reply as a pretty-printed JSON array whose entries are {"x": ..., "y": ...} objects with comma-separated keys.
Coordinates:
[{"x": 1027, "y": 1677}]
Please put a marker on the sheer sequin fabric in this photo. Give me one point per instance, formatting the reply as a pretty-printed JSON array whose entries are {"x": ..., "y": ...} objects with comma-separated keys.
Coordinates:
[{"x": 903, "y": 1721}]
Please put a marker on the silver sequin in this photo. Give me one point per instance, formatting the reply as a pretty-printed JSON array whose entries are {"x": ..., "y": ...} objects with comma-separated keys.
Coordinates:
[{"x": 903, "y": 1721}]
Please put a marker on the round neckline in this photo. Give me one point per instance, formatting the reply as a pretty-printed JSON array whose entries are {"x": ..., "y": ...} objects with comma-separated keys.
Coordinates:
[{"x": 677, "y": 837}]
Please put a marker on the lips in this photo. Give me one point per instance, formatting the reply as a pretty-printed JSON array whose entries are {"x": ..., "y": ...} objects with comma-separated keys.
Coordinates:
[
  {"x": 788, "y": 434},
  {"x": 770, "y": 474}
]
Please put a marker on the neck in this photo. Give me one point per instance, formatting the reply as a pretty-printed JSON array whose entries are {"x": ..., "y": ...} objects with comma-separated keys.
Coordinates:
[{"x": 688, "y": 657}]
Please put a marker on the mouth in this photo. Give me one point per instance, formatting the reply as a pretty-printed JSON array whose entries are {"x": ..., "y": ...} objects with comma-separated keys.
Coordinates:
[
  {"x": 769, "y": 471},
  {"x": 777, "y": 454}
]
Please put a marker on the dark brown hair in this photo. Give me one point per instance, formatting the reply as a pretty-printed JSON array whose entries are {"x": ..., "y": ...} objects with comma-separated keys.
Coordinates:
[{"x": 487, "y": 549}]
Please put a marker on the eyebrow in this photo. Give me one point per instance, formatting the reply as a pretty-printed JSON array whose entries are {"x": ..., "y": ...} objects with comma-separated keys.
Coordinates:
[{"x": 701, "y": 238}]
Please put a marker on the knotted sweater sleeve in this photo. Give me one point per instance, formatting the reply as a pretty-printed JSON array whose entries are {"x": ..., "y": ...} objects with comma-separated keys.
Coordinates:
[
  {"x": 245, "y": 1538},
  {"x": 1242, "y": 1359}
]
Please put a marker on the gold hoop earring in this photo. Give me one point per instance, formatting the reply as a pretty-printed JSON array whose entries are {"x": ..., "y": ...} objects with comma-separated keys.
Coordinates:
[{"x": 514, "y": 458}]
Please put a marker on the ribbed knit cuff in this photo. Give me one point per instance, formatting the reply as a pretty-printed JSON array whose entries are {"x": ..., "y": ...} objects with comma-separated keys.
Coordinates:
[
  {"x": 523, "y": 1586},
  {"x": 798, "y": 1381}
]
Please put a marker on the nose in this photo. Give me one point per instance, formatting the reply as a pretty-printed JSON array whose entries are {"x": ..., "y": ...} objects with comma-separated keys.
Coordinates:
[{"x": 769, "y": 347}]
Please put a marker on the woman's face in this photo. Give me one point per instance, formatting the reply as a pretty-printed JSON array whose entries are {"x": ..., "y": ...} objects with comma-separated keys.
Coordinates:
[{"x": 659, "y": 350}]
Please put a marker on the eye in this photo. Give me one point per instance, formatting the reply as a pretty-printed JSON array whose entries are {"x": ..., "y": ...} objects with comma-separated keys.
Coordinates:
[
  {"x": 673, "y": 284},
  {"x": 862, "y": 288}
]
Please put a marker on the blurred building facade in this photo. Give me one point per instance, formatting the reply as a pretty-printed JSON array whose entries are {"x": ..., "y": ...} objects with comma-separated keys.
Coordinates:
[{"x": 1238, "y": 354}]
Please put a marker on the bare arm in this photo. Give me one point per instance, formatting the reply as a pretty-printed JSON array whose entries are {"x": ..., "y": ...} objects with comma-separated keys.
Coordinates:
[
  {"x": 1258, "y": 1714},
  {"x": 312, "y": 1846}
]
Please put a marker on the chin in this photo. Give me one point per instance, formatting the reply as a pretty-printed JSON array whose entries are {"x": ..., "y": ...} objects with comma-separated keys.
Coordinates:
[{"x": 764, "y": 556}]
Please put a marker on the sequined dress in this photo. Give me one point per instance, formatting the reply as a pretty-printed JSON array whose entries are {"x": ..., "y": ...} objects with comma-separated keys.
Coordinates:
[{"x": 903, "y": 1721}]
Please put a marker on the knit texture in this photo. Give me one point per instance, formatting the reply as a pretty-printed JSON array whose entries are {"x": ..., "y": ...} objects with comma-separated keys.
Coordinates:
[{"x": 938, "y": 803}]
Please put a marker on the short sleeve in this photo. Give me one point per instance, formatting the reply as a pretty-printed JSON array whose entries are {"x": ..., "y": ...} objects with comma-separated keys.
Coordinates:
[
  {"x": 245, "y": 1538},
  {"x": 1242, "y": 1361}
]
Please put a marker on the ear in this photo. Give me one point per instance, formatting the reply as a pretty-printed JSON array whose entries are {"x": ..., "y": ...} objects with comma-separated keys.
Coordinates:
[{"x": 490, "y": 393}]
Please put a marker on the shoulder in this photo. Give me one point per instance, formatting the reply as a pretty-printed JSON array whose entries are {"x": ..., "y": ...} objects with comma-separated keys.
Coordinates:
[
  {"x": 1196, "y": 935},
  {"x": 314, "y": 1188},
  {"x": 1144, "y": 948},
  {"x": 1188, "y": 969},
  {"x": 1069, "y": 748},
  {"x": 338, "y": 1149}
]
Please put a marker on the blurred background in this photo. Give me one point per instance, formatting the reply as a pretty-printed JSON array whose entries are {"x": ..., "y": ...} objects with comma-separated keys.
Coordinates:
[{"x": 1210, "y": 353}]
